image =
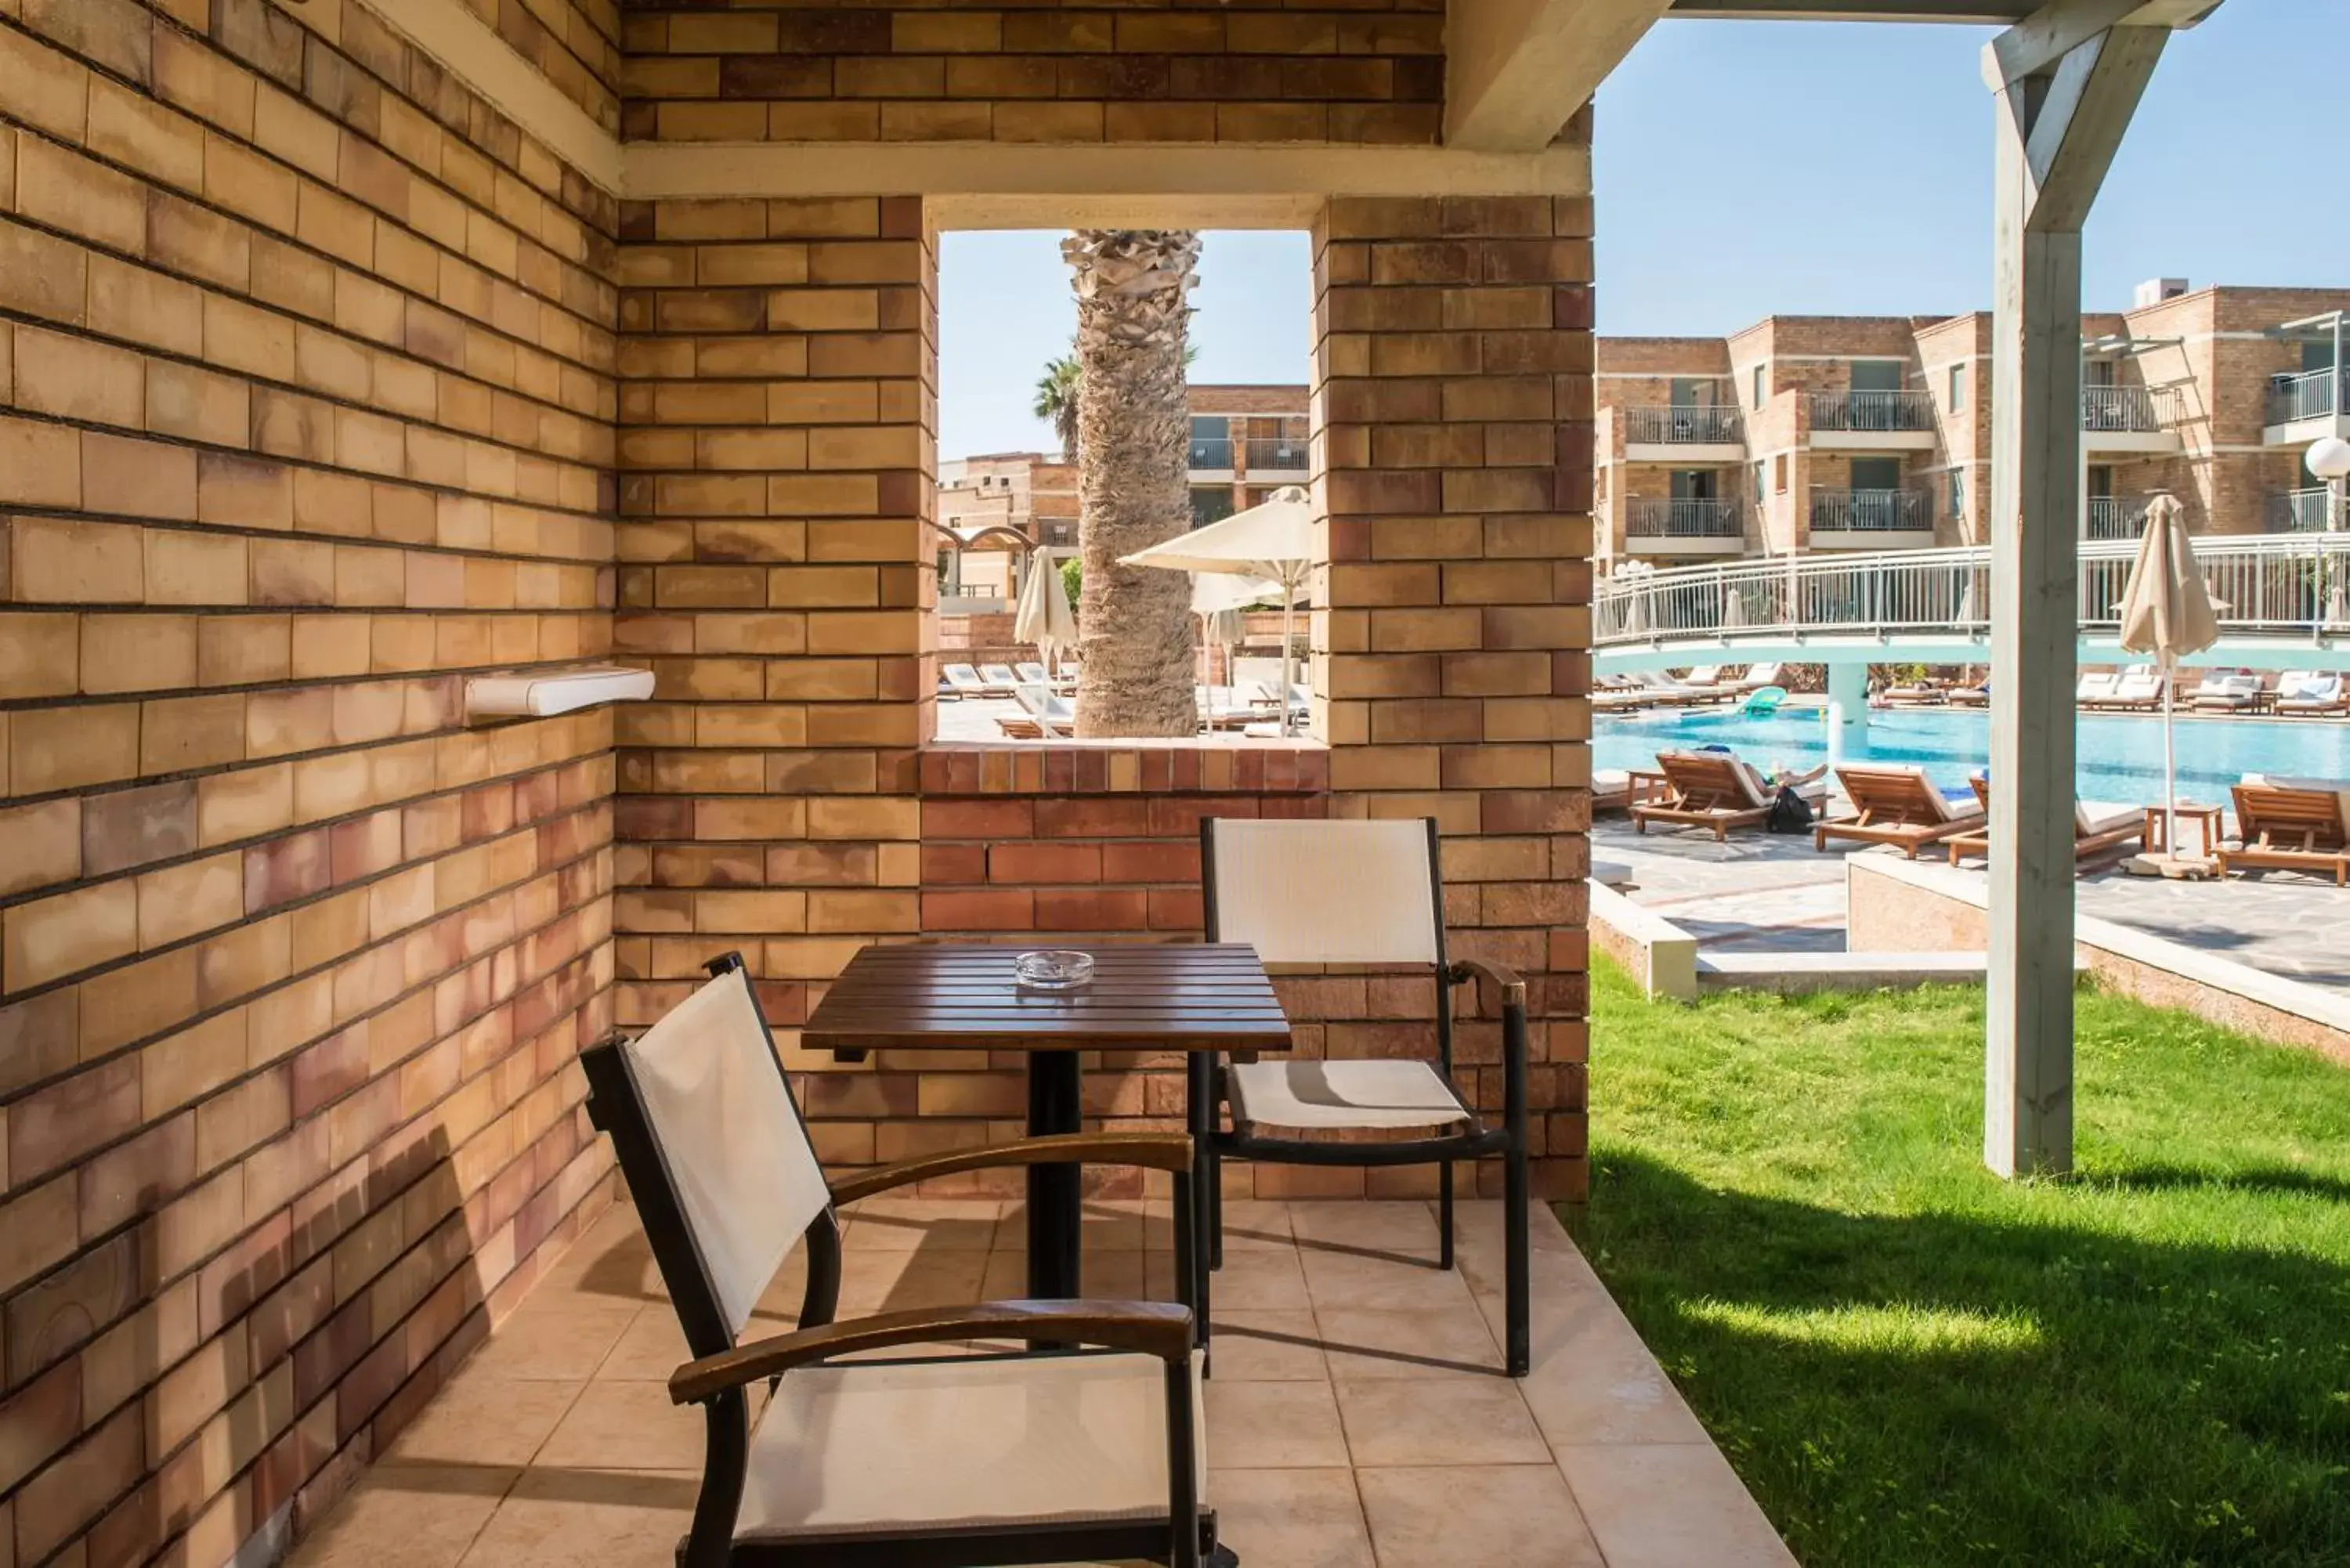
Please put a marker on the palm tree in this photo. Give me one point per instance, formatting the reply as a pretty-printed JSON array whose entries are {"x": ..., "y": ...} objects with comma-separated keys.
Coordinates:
[
  {"x": 1056, "y": 399},
  {"x": 1134, "y": 425}
]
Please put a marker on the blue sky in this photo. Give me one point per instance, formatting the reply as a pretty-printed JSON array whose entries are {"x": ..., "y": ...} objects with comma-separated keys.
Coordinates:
[{"x": 1745, "y": 167}]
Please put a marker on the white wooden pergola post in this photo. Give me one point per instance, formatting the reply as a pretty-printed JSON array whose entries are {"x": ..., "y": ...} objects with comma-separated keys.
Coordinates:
[{"x": 2065, "y": 82}]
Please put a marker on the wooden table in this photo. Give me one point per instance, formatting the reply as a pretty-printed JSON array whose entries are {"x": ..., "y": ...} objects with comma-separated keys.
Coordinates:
[
  {"x": 2210, "y": 828},
  {"x": 1199, "y": 998}
]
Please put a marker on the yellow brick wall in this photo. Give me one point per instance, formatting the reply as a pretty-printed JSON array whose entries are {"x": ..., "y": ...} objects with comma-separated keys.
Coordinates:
[{"x": 307, "y": 371}]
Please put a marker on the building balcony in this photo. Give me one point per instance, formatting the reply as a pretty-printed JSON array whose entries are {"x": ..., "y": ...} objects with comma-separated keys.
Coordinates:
[
  {"x": 2128, "y": 419},
  {"x": 1871, "y": 421},
  {"x": 2300, "y": 511},
  {"x": 2312, "y": 395},
  {"x": 1677, "y": 526},
  {"x": 1210, "y": 455},
  {"x": 2117, "y": 516},
  {"x": 1871, "y": 519},
  {"x": 1662, "y": 433},
  {"x": 1273, "y": 454}
]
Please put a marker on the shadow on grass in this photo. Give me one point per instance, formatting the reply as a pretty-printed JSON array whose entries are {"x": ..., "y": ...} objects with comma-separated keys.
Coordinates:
[{"x": 1938, "y": 1388}]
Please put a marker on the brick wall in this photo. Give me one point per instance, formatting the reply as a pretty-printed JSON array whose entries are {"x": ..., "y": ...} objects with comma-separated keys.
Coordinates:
[
  {"x": 1194, "y": 70},
  {"x": 307, "y": 365}
]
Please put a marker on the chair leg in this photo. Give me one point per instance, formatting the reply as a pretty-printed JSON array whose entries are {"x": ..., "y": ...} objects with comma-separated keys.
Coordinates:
[
  {"x": 1517, "y": 1262},
  {"x": 1200, "y": 1087},
  {"x": 1444, "y": 1215},
  {"x": 1215, "y": 1209}
]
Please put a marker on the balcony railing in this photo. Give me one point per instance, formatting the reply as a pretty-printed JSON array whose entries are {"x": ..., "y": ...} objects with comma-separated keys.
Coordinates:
[
  {"x": 2312, "y": 395},
  {"x": 1871, "y": 511},
  {"x": 2117, "y": 516},
  {"x": 1718, "y": 425},
  {"x": 1657, "y": 517},
  {"x": 1266, "y": 452},
  {"x": 2302, "y": 512},
  {"x": 1212, "y": 453},
  {"x": 1861, "y": 410},
  {"x": 2123, "y": 410}
]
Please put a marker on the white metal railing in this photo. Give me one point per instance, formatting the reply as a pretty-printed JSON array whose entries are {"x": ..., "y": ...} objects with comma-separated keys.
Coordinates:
[
  {"x": 1682, "y": 518},
  {"x": 1275, "y": 452},
  {"x": 2301, "y": 511},
  {"x": 2117, "y": 516},
  {"x": 2312, "y": 395},
  {"x": 1871, "y": 511},
  {"x": 2277, "y": 584},
  {"x": 1853, "y": 410},
  {"x": 1718, "y": 424},
  {"x": 2131, "y": 409}
]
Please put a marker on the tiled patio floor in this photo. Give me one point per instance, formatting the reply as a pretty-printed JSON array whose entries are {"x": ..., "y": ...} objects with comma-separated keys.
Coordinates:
[{"x": 1355, "y": 1420}]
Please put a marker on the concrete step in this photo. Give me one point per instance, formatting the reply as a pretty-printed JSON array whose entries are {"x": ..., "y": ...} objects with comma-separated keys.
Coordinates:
[{"x": 1793, "y": 972}]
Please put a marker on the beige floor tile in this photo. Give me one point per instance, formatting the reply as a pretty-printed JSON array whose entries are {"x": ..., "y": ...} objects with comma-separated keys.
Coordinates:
[
  {"x": 480, "y": 1419},
  {"x": 1664, "y": 1505},
  {"x": 1104, "y": 1276},
  {"x": 1273, "y": 1426},
  {"x": 1292, "y": 1519},
  {"x": 626, "y": 1427},
  {"x": 900, "y": 1281},
  {"x": 1516, "y": 1516},
  {"x": 1268, "y": 1280},
  {"x": 653, "y": 1346},
  {"x": 1109, "y": 1226},
  {"x": 911, "y": 1224},
  {"x": 410, "y": 1516},
  {"x": 1255, "y": 1225},
  {"x": 1268, "y": 1348},
  {"x": 1406, "y": 1229},
  {"x": 612, "y": 1260},
  {"x": 561, "y": 1336},
  {"x": 586, "y": 1519},
  {"x": 1591, "y": 1380},
  {"x": 1415, "y": 1342},
  {"x": 1387, "y": 1284},
  {"x": 1477, "y": 1237},
  {"x": 1461, "y": 1419}
]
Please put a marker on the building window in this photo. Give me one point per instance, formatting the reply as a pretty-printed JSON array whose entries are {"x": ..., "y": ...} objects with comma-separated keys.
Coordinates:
[
  {"x": 1958, "y": 494},
  {"x": 1779, "y": 473},
  {"x": 1758, "y": 387},
  {"x": 1958, "y": 388},
  {"x": 1211, "y": 504},
  {"x": 1212, "y": 442}
]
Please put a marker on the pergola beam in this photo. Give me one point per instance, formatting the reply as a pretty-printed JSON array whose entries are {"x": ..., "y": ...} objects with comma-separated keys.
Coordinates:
[
  {"x": 2034, "y": 47},
  {"x": 1515, "y": 71}
]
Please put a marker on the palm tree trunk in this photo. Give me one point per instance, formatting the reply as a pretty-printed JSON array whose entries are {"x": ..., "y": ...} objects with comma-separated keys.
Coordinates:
[{"x": 1134, "y": 624}]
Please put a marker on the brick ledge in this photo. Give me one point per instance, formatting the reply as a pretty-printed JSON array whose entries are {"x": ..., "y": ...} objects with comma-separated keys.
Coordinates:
[{"x": 1184, "y": 766}]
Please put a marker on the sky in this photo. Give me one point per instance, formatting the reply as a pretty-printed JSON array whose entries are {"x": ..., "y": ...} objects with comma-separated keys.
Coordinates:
[{"x": 1747, "y": 168}]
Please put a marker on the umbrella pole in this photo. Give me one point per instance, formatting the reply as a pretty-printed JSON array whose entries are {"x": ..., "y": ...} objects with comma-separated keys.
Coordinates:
[
  {"x": 2169, "y": 771},
  {"x": 1288, "y": 644}
]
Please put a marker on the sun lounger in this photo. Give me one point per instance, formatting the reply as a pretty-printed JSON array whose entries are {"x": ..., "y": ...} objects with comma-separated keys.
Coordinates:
[
  {"x": 1711, "y": 790},
  {"x": 1970, "y": 696},
  {"x": 999, "y": 680},
  {"x": 964, "y": 681},
  {"x": 1045, "y": 715},
  {"x": 2228, "y": 691},
  {"x": 2290, "y": 824},
  {"x": 1703, "y": 675},
  {"x": 2312, "y": 694},
  {"x": 2099, "y": 827},
  {"x": 2137, "y": 689},
  {"x": 1896, "y": 805},
  {"x": 1757, "y": 676},
  {"x": 2096, "y": 687},
  {"x": 1032, "y": 674},
  {"x": 1667, "y": 692},
  {"x": 1916, "y": 694},
  {"x": 1223, "y": 706}
]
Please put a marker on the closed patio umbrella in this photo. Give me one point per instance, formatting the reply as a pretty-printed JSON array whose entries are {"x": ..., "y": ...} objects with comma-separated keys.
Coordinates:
[
  {"x": 1222, "y": 603},
  {"x": 1273, "y": 540},
  {"x": 2167, "y": 611},
  {"x": 1043, "y": 615}
]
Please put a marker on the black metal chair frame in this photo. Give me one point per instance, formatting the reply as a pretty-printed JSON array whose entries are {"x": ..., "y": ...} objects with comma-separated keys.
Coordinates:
[
  {"x": 1207, "y": 1095},
  {"x": 722, "y": 1370}
]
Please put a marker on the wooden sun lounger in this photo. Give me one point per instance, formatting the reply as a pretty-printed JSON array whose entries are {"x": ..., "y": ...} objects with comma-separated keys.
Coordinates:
[
  {"x": 2306, "y": 694},
  {"x": 2288, "y": 827},
  {"x": 2128, "y": 695},
  {"x": 1706, "y": 789},
  {"x": 2093, "y": 837},
  {"x": 1896, "y": 805}
]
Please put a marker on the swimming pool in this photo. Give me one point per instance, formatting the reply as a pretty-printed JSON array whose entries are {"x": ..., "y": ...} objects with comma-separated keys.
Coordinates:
[{"x": 2120, "y": 754}]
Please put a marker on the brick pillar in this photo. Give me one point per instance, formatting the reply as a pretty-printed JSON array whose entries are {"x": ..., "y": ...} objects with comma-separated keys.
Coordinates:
[
  {"x": 778, "y": 454},
  {"x": 1454, "y": 402}
]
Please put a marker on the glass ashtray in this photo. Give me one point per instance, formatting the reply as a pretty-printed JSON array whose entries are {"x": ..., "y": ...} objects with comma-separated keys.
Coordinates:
[{"x": 1055, "y": 969}]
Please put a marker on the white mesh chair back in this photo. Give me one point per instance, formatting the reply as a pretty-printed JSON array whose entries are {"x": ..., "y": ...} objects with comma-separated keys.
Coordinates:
[
  {"x": 716, "y": 1104},
  {"x": 1326, "y": 892}
]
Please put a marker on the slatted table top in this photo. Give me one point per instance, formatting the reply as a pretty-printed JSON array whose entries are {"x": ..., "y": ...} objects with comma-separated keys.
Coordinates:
[{"x": 1172, "y": 997}]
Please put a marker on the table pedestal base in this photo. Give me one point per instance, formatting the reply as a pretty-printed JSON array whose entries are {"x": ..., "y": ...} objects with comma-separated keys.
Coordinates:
[{"x": 1056, "y": 1206}]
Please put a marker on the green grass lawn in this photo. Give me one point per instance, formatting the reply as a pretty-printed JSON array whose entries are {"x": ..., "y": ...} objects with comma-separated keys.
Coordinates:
[{"x": 1913, "y": 1363}]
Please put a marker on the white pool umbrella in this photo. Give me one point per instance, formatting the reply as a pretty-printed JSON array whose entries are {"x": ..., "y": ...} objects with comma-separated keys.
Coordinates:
[
  {"x": 1043, "y": 615},
  {"x": 2167, "y": 611},
  {"x": 1222, "y": 603},
  {"x": 1272, "y": 541}
]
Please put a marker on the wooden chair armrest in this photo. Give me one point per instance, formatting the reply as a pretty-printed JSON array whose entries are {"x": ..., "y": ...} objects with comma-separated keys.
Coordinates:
[
  {"x": 1154, "y": 1151},
  {"x": 1502, "y": 978},
  {"x": 1162, "y": 1329}
]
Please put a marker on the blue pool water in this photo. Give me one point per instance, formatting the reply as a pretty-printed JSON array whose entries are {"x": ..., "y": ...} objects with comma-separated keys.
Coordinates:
[{"x": 2120, "y": 754}]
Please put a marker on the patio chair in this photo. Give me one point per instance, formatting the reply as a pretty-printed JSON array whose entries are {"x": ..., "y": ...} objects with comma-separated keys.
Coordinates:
[
  {"x": 2100, "y": 829},
  {"x": 1712, "y": 790},
  {"x": 956, "y": 1461},
  {"x": 1896, "y": 804},
  {"x": 1357, "y": 892},
  {"x": 2312, "y": 694},
  {"x": 2228, "y": 691},
  {"x": 964, "y": 680},
  {"x": 2290, "y": 824}
]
